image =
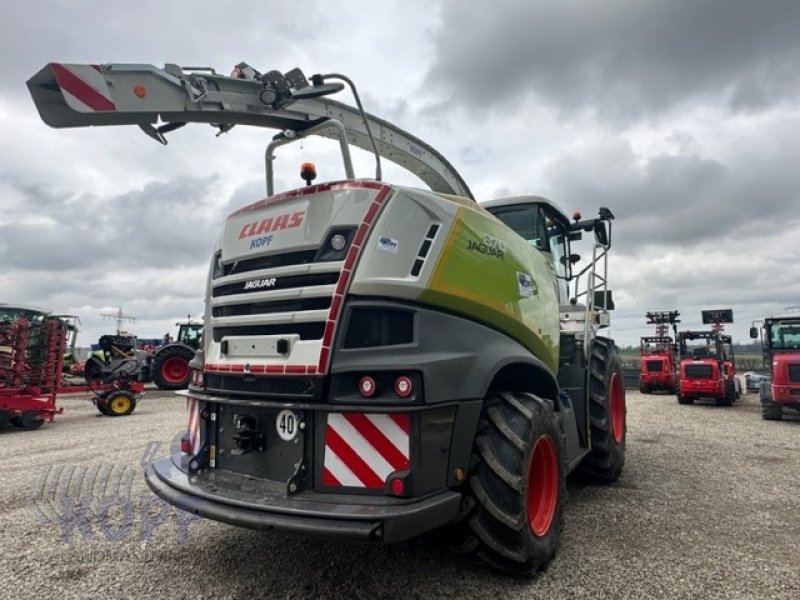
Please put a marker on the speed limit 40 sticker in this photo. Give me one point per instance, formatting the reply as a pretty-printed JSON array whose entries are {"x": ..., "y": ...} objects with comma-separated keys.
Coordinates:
[{"x": 287, "y": 423}]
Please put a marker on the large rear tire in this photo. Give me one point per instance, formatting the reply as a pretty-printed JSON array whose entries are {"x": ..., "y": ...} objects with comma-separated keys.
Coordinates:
[
  {"x": 517, "y": 486},
  {"x": 684, "y": 399},
  {"x": 171, "y": 367},
  {"x": 607, "y": 413},
  {"x": 730, "y": 394}
]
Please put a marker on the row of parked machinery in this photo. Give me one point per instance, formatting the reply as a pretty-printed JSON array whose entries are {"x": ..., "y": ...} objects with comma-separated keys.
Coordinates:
[
  {"x": 33, "y": 346},
  {"x": 701, "y": 364},
  {"x": 694, "y": 364},
  {"x": 37, "y": 348}
]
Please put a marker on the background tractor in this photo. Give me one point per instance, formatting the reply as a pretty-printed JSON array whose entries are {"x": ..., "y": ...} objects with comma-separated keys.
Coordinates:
[
  {"x": 170, "y": 364},
  {"x": 707, "y": 362},
  {"x": 780, "y": 343},
  {"x": 657, "y": 355}
]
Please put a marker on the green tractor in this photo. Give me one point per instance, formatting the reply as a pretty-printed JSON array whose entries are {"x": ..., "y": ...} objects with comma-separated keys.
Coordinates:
[{"x": 170, "y": 364}]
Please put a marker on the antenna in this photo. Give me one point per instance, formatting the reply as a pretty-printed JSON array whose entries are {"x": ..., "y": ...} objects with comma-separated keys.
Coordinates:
[{"x": 119, "y": 317}]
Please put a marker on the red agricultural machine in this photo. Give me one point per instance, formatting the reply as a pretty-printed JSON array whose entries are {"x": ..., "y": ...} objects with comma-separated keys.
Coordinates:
[
  {"x": 780, "y": 343},
  {"x": 32, "y": 344},
  {"x": 657, "y": 354},
  {"x": 166, "y": 364},
  {"x": 707, "y": 362}
]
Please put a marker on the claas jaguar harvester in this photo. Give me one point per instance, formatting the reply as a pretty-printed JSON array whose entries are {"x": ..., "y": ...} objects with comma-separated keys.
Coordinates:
[
  {"x": 780, "y": 343},
  {"x": 379, "y": 361}
]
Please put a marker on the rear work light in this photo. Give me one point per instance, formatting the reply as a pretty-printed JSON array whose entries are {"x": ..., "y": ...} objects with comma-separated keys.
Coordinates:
[{"x": 366, "y": 386}]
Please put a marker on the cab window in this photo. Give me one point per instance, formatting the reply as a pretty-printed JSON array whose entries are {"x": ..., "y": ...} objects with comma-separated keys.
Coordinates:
[{"x": 527, "y": 222}]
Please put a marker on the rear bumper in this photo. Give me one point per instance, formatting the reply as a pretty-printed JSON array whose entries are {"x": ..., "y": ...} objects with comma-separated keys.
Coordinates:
[
  {"x": 689, "y": 387},
  {"x": 357, "y": 518},
  {"x": 786, "y": 394},
  {"x": 659, "y": 382}
]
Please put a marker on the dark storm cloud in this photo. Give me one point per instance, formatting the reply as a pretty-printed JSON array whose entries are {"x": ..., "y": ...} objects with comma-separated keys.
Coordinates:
[
  {"x": 163, "y": 225},
  {"x": 680, "y": 200},
  {"x": 623, "y": 59}
]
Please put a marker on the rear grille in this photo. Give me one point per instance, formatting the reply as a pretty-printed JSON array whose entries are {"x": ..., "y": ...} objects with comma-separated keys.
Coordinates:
[
  {"x": 280, "y": 302},
  {"x": 793, "y": 370},
  {"x": 654, "y": 366},
  {"x": 698, "y": 371},
  {"x": 270, "y": 262},
  {"x": 277, "y": 306},
  {"x": 306, "y": 331},
  {"x": 265, "y": 283}
]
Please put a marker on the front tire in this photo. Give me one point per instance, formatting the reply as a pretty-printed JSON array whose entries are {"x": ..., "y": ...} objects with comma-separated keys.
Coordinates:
[
  {"x": 769, "y": 410},
  {"x": 607, "y": 413},
  {"x": 517, "y": 486},
  {"x": 119, "y": 403}
]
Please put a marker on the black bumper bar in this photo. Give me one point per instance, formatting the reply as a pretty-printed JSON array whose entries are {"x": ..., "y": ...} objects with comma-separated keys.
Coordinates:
[{"x": 325, "y": 515}]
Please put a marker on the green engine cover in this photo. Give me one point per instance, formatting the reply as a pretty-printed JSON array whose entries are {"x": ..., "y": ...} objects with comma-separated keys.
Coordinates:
[{"x": 488, "y": 272}]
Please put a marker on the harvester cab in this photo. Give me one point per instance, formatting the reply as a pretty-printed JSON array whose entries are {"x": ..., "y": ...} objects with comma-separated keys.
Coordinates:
[
  {"x": 657, "y": 354},
  {"x": 780, "y": 344},
  {"x": 377, "y": 360}
]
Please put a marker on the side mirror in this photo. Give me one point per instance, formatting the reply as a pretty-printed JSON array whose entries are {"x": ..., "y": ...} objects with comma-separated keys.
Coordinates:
[
  {"x": 601, "y": 233},
  {"x": 573, "y": 258},
  {"x": 753, "y": 333},
  {"x": 604, "y": 300}
]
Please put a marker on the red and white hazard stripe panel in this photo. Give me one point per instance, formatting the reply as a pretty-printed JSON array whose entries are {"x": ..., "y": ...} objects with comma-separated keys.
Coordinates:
[
  {"x": 84, "y": 87},
  {"x": 193, "y": 424},
  {"x": 363, "y": 449}
]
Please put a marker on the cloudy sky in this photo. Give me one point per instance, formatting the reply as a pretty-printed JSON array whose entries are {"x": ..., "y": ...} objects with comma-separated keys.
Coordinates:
[{"x": 683, "y": 117}]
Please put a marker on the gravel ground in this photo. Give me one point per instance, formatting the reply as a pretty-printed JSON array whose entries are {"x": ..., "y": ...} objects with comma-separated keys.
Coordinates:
[{"x": 707, "y": 507}]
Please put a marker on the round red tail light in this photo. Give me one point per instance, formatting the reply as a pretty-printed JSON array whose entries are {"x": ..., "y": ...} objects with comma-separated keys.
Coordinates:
[
  {"x": 397, "y": 486},
  {"x": 366, "y": 386},
  {"x": 403, "y": 386}
]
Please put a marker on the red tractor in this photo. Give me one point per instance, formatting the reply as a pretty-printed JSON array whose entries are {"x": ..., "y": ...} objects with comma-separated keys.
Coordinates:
[
  {"x": 780, "y": 342},
  {"x": 657, "y": 360},
  {"x": 171, "y": 361},
  {"x": 657, "y": 365},
  {"x": 706, "y": 368}
]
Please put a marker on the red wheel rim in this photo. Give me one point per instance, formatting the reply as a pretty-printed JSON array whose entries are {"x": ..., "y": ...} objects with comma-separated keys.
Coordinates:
[
  {"x": 616, "y": 408},
  {"x": 174, "y": 370},
  {"x": 542, "y": 486}
]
